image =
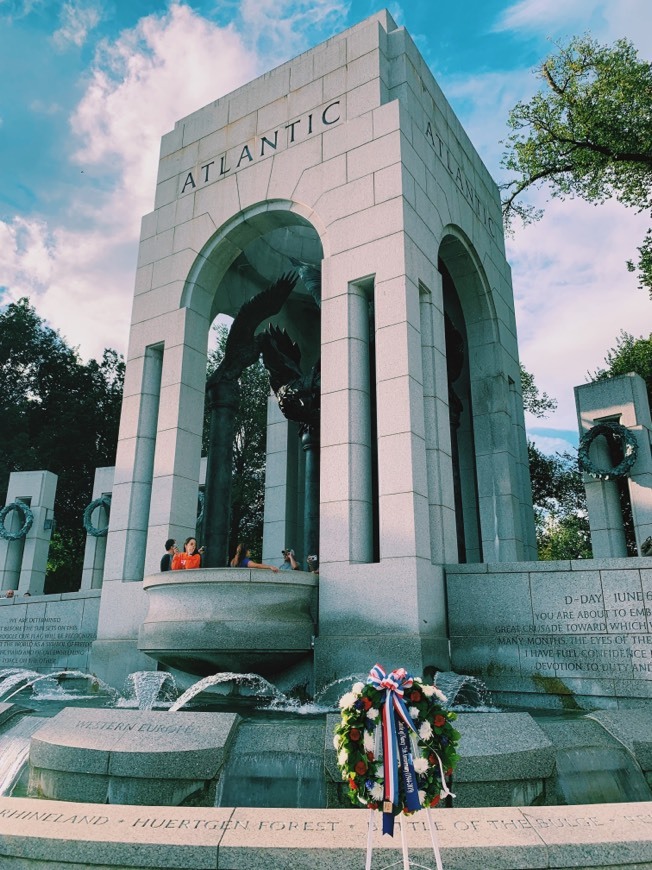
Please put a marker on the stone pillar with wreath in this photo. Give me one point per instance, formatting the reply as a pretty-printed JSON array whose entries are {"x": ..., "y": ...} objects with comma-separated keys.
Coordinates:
[
  {"x": 616, "y": 457},
  {"x": 96, "y": 524},
  {"x": 26, "y": 523}
]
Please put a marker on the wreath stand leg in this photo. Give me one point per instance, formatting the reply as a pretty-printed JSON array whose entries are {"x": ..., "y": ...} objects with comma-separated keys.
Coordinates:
[
  {"x": 434, "y": 840},
  {"x": 404, "y": 846}
]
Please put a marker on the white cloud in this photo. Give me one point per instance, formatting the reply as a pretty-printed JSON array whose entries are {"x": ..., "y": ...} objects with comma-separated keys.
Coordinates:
[
  {"x": 79, "y": 272},
  {"x": 284, "y": 27},
  {"x": 11, "y": 10},
  {"x": 573, "y": 294},
  {"x": 550, "y": 444},
  {"x": 77, "y": 20},
  {"x": 607, "y": 20}
]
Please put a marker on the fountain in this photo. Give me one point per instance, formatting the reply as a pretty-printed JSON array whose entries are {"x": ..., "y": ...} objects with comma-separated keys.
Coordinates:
[
  {"x": 360, "y": 221},
  {"x": 148, "y": 689}
]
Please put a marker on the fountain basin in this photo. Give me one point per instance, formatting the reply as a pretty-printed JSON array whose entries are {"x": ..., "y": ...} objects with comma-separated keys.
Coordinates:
[
  {"x": 129, "y": 756},
  {"x": 229, "y": 619}
]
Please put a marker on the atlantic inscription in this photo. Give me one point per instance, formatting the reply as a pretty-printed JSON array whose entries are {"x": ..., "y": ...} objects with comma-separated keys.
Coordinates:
[{"x": 259, "y": 147}]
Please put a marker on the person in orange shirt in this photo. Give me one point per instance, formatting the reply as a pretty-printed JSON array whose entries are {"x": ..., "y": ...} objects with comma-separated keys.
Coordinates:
[{"x": 190, "y": 558}]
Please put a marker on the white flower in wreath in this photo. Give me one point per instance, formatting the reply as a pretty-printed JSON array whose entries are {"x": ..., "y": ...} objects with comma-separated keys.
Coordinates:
[
  {"x": 373, "y": 714},
  {"x": 348, "y": 700},
  {"x": 422, "y": 797},
  {"x": 369, "y": 741},
  {"x": 420, "y": 765},
  {"x": 429, "y": 691},
  {"x": 414, "y": 712},
  {"x": 336, "y": 741},
  {"x": 425, "y": 731},
  {"x": 376, "y": 791},
  {"x": 342, "y": 757},
  {"x": 357, "y": 688}
]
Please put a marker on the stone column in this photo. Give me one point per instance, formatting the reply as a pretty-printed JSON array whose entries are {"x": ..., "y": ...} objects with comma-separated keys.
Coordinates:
[
  {"x": 95, "y": 550},
  {"x": 132, "y": 490},
  {"x": 223, "y": 400},
  {"x": 624, "y": 400},
  {"x": 282, "y": 525},
  {"x": 346, "y": 490},
  {"x": 310, "y": 446},
  {"x": 23, "y": 563},
  {"x": 439, "y": 462}
]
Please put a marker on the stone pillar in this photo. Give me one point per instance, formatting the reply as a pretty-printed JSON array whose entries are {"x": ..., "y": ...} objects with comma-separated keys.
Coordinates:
[
  {"x": 439, "y": 468},
  {"x": 346, "y": 489},
  {"x": 132, "y": 487},
  {"x": 310, "y": 447},
  {"x": 95, "y": 550},
  {"x": 23, "y": 563},
  {"x": 223, "y": 399},
  {"x": 282, "y": 520},
  {"x": 623, "y": 400}
]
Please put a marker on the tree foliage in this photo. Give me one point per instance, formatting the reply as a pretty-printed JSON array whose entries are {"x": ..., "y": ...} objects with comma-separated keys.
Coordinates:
[
  {"x": 558, "y": 495},
  {"x": 57, "y": 414},
  {"x": 249, "y": 450},
  {"x": 587, "y": 133},
  {"x": 629, "y": 355},
  {"x": 537, "y": 403},
  {"x": 559, "y": 501}
]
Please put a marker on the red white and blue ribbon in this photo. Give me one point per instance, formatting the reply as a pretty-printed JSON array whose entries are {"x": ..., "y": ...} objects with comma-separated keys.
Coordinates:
[{"x": 397, "y": 758}]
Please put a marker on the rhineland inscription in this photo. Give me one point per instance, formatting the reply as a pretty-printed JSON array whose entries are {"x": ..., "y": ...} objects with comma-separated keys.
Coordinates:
[{"x": 259, "y": 147}]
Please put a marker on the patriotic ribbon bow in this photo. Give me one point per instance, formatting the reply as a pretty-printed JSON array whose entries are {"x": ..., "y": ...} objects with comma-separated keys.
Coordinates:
[{"x": 395, "y": 720}]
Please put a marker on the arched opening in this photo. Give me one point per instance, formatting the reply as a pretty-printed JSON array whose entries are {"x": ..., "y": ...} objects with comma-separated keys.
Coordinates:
[
  {"x": 469, "y": 329},
  {"x": 233, "y": 276}
]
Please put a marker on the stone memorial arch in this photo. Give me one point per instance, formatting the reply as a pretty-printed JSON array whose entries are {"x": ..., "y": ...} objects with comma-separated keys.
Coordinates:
[{"x": 349, "y": 160}]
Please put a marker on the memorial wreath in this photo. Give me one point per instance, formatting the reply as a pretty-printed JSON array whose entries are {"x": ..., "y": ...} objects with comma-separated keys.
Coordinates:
[
  {"x": 623, "y": 437},
  {"x": 396, "y": 744},
  {"x": 104, "y": 501},
  {"x": 28, "y": 518}
]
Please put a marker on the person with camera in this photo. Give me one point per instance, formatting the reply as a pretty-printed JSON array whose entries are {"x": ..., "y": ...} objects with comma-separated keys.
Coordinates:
[
  {"x": 190, "y": 558},
  {"x": 289, "y": 561}
]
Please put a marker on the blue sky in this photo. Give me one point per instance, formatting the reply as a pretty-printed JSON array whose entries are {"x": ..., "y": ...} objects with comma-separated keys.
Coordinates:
[{"x": 89, "y": 87}]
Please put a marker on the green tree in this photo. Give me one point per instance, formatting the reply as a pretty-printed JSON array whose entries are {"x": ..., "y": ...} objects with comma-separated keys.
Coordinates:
[
  {"x": 249, "y": 450},
  {"x": 559, "y": 502},
  {"x": 537, "y": 403},
  {"x": 558, "y": 495},
  {"x": 587, "y": 133},
  {"x": 58, "y": 414},
  {"x": 629, "y": 355}
]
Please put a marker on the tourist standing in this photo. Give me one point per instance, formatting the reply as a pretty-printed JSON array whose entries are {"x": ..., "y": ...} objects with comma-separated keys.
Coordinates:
[
  {"x": 170, "y": 550},
  {"x": 190, "y": 558}
]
